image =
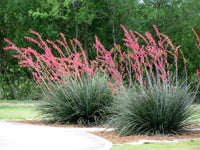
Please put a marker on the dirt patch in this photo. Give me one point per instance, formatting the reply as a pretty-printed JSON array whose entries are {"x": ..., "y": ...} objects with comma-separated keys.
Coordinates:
[{"x": 115, "y": 139}]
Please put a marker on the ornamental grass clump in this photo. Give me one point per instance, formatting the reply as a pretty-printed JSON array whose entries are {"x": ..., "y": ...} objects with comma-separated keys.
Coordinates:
[
  {"x": 82, "y": 102},
  {"x": 158, "y": 109}
]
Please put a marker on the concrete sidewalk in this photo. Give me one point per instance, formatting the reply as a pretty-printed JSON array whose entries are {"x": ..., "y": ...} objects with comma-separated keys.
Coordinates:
[{"x": 17, "y": 136}]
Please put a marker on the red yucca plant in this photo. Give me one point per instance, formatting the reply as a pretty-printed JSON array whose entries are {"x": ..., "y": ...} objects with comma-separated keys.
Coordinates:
[
  {"x": 48, "y": 67},
  {"x": 198, "y": 46},
  {"x": 139, "y": 62}
]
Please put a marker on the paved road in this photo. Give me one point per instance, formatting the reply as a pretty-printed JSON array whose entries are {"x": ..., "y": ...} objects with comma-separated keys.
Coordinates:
[{"x": 17, "y": 136}]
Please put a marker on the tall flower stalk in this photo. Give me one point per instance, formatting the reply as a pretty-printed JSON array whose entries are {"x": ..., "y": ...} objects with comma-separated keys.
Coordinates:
[
  {"x": 198, "y": 77},
  {"x": 142, "y": 59},
  {"x": 139, "y": 61},
  {"x": 47, "y": 67}
]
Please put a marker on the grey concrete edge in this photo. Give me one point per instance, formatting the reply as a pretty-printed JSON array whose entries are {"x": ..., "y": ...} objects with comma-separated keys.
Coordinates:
[{"x": 108, "y": 144}]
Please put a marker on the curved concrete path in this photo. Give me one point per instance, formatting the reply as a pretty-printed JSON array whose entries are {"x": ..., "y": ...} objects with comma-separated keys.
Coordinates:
[{"x": 18, "y": 136}]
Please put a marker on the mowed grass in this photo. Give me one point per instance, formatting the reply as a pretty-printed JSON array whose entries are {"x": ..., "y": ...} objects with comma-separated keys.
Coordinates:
[
  {"x": 18, "y": 110},
  {"x": 191, "y": 145},
  {"x": 19, "y": 101}
]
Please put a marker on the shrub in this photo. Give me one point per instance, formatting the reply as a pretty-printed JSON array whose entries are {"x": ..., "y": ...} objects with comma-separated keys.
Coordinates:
[
  {"x": 157, "y": 109},
  {"x": 82, "y": 101}
]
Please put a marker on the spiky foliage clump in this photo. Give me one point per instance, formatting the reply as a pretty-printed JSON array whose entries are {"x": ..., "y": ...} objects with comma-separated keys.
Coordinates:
[
  {"x": 82, "y": 101},
  {"x": 157, "y": 109}
]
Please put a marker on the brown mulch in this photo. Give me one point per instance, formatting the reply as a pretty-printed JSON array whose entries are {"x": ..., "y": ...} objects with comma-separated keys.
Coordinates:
[
  {"x": 39, "y": 122},
  {"x": 112, "y": 136}
]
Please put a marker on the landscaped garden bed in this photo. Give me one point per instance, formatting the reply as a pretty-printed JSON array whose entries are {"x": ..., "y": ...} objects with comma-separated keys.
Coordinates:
[{"x": 112, "y": 137}]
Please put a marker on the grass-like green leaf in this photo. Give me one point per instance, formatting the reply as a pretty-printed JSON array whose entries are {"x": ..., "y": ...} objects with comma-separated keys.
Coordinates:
[
  {"x": 82, "y": 101},
  {"x": 158, "y": 109}
]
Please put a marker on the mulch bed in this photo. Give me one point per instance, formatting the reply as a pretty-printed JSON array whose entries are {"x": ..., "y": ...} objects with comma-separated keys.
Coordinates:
[
  {"x": 39, "y": 122},
  {"x": 112, "y": 136}
]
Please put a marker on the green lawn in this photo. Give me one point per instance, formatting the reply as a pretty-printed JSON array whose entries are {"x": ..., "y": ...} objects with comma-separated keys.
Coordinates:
[
  {"x": 18, "y": 109},
  {"x": 18, "y": 112},
  {"x": 192, "y": 145},
  {"x": 19, "y": 101}
]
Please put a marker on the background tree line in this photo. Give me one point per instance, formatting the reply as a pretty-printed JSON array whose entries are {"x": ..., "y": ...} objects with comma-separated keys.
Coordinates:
[{"x": 83, "y": 19}]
